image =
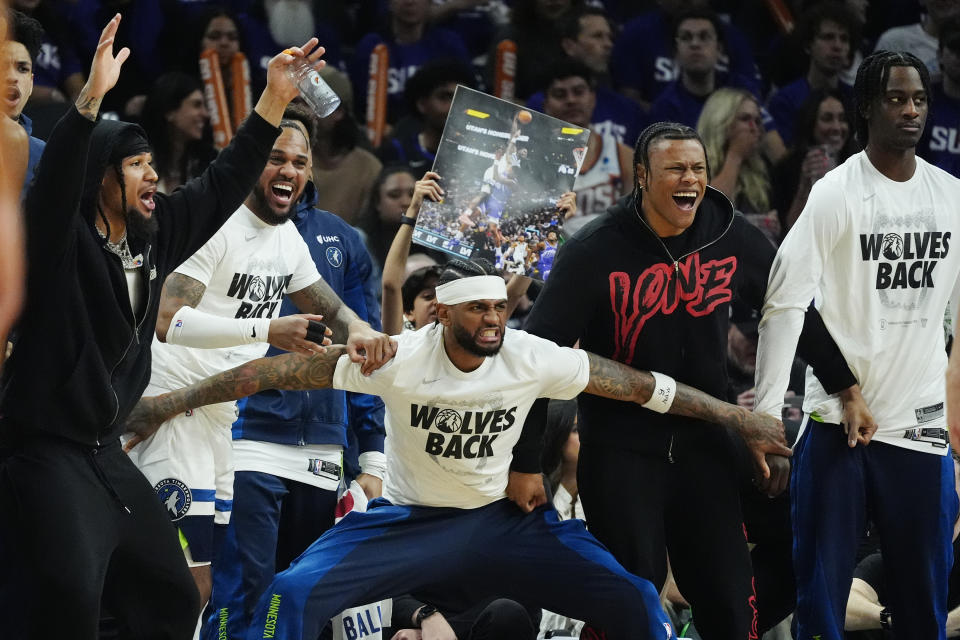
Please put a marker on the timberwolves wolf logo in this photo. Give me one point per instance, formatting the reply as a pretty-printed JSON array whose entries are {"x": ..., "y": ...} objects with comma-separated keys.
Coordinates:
[
  {"x": 334, "y": 256},
  {"x": 892, "y": 246},
  {"x": 448, "y": 421},
  {"x": 175, "y": 497}
]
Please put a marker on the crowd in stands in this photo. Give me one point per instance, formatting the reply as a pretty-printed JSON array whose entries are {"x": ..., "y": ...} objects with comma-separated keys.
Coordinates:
[{"x": 767, "y": 85}]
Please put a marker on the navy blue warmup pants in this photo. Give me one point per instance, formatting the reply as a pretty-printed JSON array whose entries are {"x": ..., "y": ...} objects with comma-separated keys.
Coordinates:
[
  {"x": 910, "y": 497},
  {"x": 274, "y": 520},
  {"x": 391, "y": 550}
]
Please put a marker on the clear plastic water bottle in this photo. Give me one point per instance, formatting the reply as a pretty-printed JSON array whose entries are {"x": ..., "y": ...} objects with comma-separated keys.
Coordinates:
[{"x": 314, "y": 89}]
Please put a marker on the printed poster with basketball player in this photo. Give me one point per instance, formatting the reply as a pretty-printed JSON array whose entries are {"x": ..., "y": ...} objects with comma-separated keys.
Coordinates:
[{"x": 503, "y": 168}]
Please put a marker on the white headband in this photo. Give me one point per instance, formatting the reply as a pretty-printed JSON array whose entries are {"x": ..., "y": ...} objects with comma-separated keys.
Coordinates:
[{"x": 472, "y": 288}]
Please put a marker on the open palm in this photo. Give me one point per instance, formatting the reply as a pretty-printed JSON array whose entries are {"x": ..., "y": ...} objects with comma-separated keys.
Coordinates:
[{"x": 105, "y": 70}]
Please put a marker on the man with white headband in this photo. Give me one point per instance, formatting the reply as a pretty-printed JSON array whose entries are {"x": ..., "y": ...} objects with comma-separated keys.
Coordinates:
[{"x": 456, "y": 396}]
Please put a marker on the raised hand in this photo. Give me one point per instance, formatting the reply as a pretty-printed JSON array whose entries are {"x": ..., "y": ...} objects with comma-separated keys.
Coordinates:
[
  {"x": 278, "y": 80},
  {"x": 426, "y": 187},
  {"x": 104, "y": 71}
]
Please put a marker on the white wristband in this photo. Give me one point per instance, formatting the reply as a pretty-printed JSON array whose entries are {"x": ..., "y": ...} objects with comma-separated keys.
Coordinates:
[
  {"x": 664, "y": 391},
  {"x": 374, "y": 463},
  {"x": 192, "y": 328}
]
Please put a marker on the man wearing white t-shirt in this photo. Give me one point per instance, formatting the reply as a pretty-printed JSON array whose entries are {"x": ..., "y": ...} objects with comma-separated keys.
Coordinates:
[
  {"x": 874, "y": 249},
  {"x": 456, "y": 396},
  {"x": 218, "y": 310}
]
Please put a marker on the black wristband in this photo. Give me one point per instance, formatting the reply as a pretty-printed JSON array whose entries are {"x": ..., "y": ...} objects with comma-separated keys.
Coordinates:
[
  {"x": 316, "y": 331},
  {"x": 425, "y": 612},
  {"x": 408, "y": 220},
  {"x": 886, "y": 619}
]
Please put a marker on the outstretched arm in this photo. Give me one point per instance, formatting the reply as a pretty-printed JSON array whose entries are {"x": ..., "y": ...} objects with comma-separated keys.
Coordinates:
[
  {"x": 762, "y": 433},
  {"x": 292, "y": 371}
]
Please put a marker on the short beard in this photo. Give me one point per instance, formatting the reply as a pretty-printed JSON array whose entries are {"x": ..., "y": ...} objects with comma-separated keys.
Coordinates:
[
  {"x": 260, "y": 202},
  {"x": 468, "y": 342},
  {"x": 140, "y": 226}
]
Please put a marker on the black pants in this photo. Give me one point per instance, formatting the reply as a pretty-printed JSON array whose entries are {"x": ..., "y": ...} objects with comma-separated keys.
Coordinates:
[
  {"x": 81, "y": 527},
  {"x": 643, "y": 507}
]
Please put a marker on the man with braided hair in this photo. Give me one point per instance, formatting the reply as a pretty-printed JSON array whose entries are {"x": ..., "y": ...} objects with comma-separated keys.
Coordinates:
[
  {"x": 81, "y": 524},
  {"x": 874, "y": 247},
  {"x": 456, "y": 395},
  {"x": 649, "y": 284}
]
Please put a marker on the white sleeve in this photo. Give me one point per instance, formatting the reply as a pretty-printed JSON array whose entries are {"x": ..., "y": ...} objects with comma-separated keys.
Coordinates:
[
  {"x": 563, "y": 372},
  {"x": 793, "y": 282},
  {"x": 305, "y": 272},
  {"x": 191, "y": 327},
  {"x": 201, "y": 265},
  {"x": 347, "y": 376}
]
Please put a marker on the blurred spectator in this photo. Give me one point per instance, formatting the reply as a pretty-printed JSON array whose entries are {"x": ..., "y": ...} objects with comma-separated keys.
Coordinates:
[
  {"x": 19, "y": 51},
  {"x": 940, "y": 144},
  {"x": 731, "y": 127},
  {"x": 454, "y": 612},
  {"x": 698, "y": 41},
  {"x": 176, "y": 119},
  {"x": 428, "y": 95},
  {"x": 536, "y": 26},
  {"x": 825, "y": 33},
  {"x": 343, "y": 171},
  {"x": 643, "y": 62},
  {"x": 857, "y": 9},
  {"x": 824, "y": 140},
  {"x": 607, "y": 169},
  {"x": 411, "y": 43},
  {"x": 588, "y": 38},
  {"x": 921, "y": 38},
  {"x": 271, "y": 25},
  {"x": 58, "y": 73},
  {"x": 389, "y": 198},
  {"x": 220, "y": 30},
  {"x": 476, "y": 21}
]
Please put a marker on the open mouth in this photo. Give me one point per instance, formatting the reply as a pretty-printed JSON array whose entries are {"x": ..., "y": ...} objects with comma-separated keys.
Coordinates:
[
  {"x": 282, "y": 191},
  {"x": 146, "y": 198},
  {"x": 490, "y": 336},
  {"x": 686, "y": 200}
]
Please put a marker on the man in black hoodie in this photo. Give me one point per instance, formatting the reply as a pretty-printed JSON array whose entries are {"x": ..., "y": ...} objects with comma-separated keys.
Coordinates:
[
  {"x": 80, "y": 525},
  {"x": 649, "y": 283}
]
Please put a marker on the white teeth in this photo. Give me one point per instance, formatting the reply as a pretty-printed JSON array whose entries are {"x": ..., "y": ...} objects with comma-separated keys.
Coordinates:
[
  {"x": 285, "y": 187},
  {"x": 685, "y": 194}
]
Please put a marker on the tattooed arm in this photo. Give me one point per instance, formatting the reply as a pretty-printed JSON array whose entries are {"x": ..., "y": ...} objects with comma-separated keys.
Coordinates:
[
  {"x": 363, "y": 343},
  {"x": 178, "y": 291},
  {"x": 762, "y": 433},
  {"x": 104, "y": 72},
  {"x": 289, "y": 371}
]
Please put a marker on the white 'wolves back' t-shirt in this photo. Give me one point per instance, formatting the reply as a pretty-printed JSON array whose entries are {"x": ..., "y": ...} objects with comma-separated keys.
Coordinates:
[
  {"x": 247, "y": 267},
  {"x": 450, "y": 434},
  {"x": 881, "y": 259}
]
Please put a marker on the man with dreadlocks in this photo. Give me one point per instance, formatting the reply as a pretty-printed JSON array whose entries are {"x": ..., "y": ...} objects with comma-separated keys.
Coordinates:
[
  {"x": 81, "y": 526},
  {"x": 874, "y": 248},
  {"x": 649, "y": 284},
  {"x": 456, "y": 395}
]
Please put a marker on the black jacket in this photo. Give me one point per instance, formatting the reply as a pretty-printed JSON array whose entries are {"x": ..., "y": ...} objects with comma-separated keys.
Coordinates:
[
  {"x": 82, "y": 359},
  {"x": 660, "y": 305}
]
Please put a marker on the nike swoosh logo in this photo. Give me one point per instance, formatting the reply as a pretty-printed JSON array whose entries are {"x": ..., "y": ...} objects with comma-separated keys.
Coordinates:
[
  {"x": 250, "y": 236},
  {"x": 425, "y": 381}
]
